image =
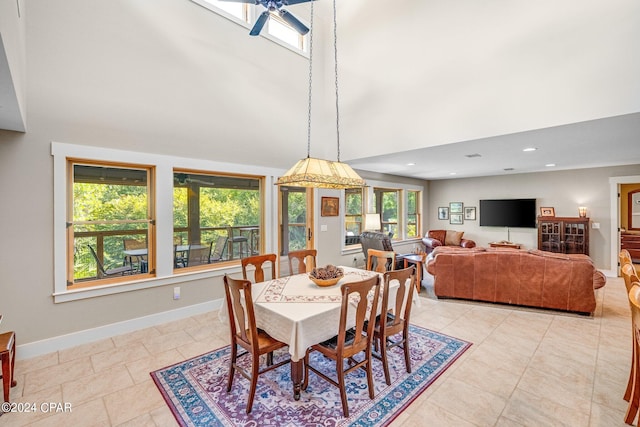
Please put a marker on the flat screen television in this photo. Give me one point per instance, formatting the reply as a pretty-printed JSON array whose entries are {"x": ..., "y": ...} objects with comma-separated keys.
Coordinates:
[{"x": 508, "y": 213}]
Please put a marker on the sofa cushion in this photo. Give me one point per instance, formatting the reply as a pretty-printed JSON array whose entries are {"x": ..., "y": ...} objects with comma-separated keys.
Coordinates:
[
  {"x": 438, "y": 235},
  {"x": 453, "y": 238}
]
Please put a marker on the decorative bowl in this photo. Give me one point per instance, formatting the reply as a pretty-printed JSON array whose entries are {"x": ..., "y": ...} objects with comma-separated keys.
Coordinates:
[{"x": 325, "y": 282}]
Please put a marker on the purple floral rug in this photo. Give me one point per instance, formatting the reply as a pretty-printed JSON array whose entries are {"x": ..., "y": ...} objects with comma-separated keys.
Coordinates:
[{"x": 195, "y": 389}]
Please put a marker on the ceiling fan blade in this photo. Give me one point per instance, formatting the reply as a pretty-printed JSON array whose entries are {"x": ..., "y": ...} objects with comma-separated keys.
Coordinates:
[
  {"x": 288, "y": 2},
  {"x": 293, "y": 21},
  {"x": 262, "y": 19}
]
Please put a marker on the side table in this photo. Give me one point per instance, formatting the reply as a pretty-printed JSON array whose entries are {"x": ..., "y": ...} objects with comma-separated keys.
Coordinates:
[{"x": 418, "y": 261}]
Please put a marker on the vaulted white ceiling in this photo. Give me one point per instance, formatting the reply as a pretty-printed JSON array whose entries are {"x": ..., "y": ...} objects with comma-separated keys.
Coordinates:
[{"x": 420, "y": 81}]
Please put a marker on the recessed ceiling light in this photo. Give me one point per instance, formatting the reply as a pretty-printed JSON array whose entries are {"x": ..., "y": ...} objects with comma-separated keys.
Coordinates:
[
  {"x": 452, "y": 173},
  {"x": 472, "y": 155},
  {"x": 411, "y": 164},
  {"x": 550, "y": 165},
  {"x": 529, "y": 149}
]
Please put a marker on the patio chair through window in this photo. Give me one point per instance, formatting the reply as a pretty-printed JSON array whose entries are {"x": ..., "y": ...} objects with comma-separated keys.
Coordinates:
[{"x": 102, "y": 272}]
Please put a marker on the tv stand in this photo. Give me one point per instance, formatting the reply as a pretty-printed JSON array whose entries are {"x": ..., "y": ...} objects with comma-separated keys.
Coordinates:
[{"x": 505, "y": 244}]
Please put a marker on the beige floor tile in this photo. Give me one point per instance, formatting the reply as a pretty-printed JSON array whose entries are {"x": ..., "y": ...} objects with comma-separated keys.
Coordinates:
[
  {"x": 571, "y": 389},
  {"x": 163, "y": 417},
  {"x": 85, "y": 350},
  {"x": 140, "y": 369},
  {"x": 487, "y": 377},
  {"x": 57, "y": 375},
  {"x": 24, "y": 366},
  {"x": 130, "y": 403},
  {"x": 531, "y": 410},
  {"x": 604, "y": 416},
  {"x": 96, "y": 385},
  {"x": 90, "y": 414},
  {"x": 139, "y": 335},
  {"x": 118, "y": 356},
  {"x": 167, "y": 341},
  {"x": 468, "y": 402},
  {"x": 432, "y": 415}
]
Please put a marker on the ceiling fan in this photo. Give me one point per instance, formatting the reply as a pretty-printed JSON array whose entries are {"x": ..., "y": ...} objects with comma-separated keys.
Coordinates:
[{"x": 275, "y": 6}]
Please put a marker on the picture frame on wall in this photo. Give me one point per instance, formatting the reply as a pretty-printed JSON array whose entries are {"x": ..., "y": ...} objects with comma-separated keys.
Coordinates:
[
  {"x": 470, "y": 213},
  {"x": 443, "y": 213},
  {"x": 329, "y": 206},
  {"x": 455, "y": 207},
  {"x": 455, "y": 218},
  {"x": 547, "y": 212}
]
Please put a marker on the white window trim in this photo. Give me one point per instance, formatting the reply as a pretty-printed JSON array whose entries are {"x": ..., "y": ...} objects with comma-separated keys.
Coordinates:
[
  {"x": 165, "y": 166},
  {"x": 248, "y": 25}
]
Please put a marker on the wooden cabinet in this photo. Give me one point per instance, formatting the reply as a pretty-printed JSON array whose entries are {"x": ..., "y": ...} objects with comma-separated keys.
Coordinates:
[
  {"x": 565, "y": 235},
  {"x": 631, "y": 242}
]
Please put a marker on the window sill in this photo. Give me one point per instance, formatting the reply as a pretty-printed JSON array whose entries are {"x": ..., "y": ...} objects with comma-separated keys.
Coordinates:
[{"x": 135, "y": 285}]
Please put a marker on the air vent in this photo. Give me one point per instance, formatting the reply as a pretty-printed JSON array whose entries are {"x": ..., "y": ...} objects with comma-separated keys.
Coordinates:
[
  {"x": 508, "y": 169},
  {"x": 472, "y": 155}
]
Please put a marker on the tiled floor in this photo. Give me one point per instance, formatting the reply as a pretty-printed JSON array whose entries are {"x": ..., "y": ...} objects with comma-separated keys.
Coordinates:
[{"x": 526, "y": 367}]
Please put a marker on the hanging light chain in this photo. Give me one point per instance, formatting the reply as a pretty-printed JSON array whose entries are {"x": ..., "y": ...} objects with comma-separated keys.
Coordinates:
[
  {"x": 310, "y": 82},
  {"x": 335, "y": 54}
]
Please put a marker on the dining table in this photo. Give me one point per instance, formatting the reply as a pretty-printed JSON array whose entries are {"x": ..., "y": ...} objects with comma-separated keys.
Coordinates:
[{"x": 296, "y": 311}]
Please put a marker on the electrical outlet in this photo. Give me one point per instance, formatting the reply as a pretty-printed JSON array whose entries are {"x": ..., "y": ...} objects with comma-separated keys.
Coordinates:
[
  {"x": 176, "y": 292},
  {"x": 595, "y": 225}
]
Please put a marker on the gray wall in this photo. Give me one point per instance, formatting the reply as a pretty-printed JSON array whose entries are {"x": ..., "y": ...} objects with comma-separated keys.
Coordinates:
[{"x": 562, "y": 190}]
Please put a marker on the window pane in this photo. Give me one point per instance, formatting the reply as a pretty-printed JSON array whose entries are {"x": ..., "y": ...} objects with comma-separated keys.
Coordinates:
[
  {"x": 215, "y": 212},
  {"x": 412, "y": 214},
  {"x": 235, "y": 9},
  {"x": 284, "y": 32},
  {"x": 353, "y": 216},
  {"x": 110, "y": 207}
]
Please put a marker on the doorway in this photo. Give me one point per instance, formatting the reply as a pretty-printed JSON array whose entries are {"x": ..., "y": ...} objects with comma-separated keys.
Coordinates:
[
  {"x": 295, "y": 219},
  {"x": 619, "y": 215}
]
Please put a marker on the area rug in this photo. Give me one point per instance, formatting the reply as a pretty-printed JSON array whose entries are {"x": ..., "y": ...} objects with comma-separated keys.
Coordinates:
[{"x": 195, "y": 389}]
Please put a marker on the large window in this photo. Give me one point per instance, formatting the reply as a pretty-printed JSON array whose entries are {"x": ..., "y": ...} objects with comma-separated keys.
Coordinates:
[
  {"x": 275, "y": 28},
  {"x": 413, "y": 213},
  {"x": 216, "y": 218},
  {"x": 111, "y": 216},
  {"x": 386, "y": 202},
  {"x": 353, "y": 201}
]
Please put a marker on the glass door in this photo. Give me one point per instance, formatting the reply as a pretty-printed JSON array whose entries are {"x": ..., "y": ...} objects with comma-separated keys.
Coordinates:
[{"x": 296, "y": 223}]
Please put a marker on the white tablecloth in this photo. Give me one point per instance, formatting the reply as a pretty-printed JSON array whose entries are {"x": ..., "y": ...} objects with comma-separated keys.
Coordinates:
[{"x": 296, "y": 311}]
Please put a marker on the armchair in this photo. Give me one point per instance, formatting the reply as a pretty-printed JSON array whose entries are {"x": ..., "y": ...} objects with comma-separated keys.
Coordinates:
[
  {"x": 435, "y": 238},
  {"x": 381, "y": 242}
]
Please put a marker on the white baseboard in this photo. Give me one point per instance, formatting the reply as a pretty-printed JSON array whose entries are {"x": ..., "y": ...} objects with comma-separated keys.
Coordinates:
[{"x": 51, "y": 345}]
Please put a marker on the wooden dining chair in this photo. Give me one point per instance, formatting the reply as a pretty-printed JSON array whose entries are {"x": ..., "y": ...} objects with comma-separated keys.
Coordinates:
[
  {"x": 634, "y": 400},
  {"x": 8, "y": 360},
  {"x": 625, "y": 257},
  {"x": 255, "y": 341},
  {"x": 349, "y": 343},
  {"x": 258, "y": 262},
  {"x": 395, "y": 320},
  {"x": 304, "y": 261},
  {"x": 381, "y": 261},
  {"x": 630, "y": 276}
]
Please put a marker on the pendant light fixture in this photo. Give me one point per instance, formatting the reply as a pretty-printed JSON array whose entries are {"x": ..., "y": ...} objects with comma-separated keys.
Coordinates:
[{"x": 311, "y": 171}]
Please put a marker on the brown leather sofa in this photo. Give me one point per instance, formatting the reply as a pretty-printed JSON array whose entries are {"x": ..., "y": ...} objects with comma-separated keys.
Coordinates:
[
  {"x": 436, "y": 238},
  {"x": 522, "y": 277}
]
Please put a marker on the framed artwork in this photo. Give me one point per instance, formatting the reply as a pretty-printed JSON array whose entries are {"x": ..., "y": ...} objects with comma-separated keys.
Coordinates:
[
  {"x": 455, "y": 207},
  {"x": 455, "y": 218},
  {"x": 470, "y": 213},
  {"x": 443, "y": 213},
  {"x": 329, "y": 206},
  {"x": 547, "y": 212}
]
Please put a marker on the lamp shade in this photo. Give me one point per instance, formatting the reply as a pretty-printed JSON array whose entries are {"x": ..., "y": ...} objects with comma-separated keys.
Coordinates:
[
  {"x": 582, "y": 211},
  {"x": 320, "y": 173},
  {"x": 372, "y": 222}
]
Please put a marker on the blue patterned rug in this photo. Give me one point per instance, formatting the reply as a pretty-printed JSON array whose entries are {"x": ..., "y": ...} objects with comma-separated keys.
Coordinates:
[{"x": 195, "y": 389}]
